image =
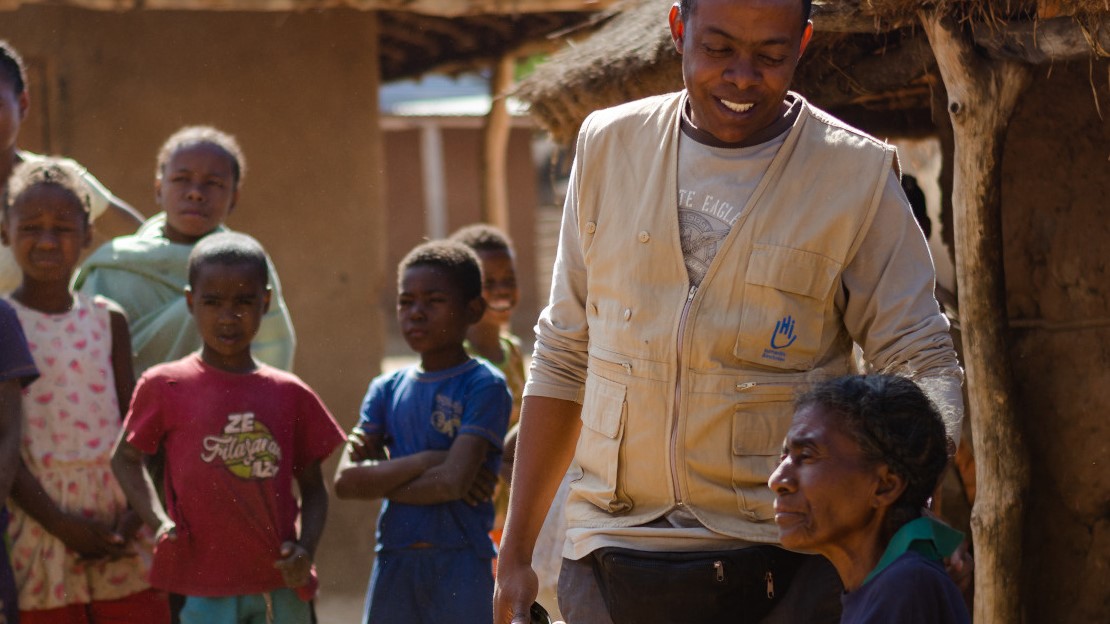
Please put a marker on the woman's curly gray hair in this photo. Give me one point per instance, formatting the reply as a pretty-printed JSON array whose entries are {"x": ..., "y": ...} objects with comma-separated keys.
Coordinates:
[{"x": 894, "y": 423}]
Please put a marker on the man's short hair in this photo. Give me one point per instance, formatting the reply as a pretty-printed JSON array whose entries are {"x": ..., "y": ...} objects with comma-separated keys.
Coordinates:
[{"x": 686, "y": 9}]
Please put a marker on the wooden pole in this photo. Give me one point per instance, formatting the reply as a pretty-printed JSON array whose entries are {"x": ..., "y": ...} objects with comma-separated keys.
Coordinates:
[
  {"x": 495, "y": 145},
  {"x": 982, "y": 94}
]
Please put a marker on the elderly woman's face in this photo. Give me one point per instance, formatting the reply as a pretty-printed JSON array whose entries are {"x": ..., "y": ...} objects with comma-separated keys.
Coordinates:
[{"x": 824, "y": 487}]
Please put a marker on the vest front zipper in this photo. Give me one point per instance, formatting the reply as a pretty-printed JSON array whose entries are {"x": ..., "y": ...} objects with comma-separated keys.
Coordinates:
[{"x": 678, "y": 395}]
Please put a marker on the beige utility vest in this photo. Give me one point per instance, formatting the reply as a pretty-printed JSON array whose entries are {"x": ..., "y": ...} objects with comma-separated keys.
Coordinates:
[{"x": 689, "y": 392}]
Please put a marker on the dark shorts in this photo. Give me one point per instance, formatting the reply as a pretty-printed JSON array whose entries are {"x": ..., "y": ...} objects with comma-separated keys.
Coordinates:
[{"x": 430, "y": 585}]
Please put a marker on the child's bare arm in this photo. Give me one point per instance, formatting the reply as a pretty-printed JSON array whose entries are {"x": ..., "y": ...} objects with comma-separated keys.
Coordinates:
[
  {"x": 122, "y": 367},
  {"x": 11, "y": 402},
  {"x": 451, "y": 480},
  {"x": 375, "y": 478},
  {"x": 296, "y": 557},
  {"x": 87, "y": 537},
  {"x": 134, "y": 480},
  {"x": 314, "y": 506}
]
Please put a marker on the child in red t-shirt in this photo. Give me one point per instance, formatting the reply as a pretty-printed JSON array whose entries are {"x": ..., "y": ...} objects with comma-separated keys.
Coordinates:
[{"x": 236, "y": 434}]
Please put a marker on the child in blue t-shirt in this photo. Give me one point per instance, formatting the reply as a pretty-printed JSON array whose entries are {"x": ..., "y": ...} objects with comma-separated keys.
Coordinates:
[{"x": 429, "y": 442}]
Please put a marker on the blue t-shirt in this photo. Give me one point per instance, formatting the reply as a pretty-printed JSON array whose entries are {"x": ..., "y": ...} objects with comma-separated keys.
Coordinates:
[
  {"x": 913, "y": 590},
  {"x": 419, "y": 411},
  {"x": 909, "y": 585}
]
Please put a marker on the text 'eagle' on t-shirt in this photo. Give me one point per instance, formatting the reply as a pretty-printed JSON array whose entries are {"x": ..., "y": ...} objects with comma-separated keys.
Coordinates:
[{"x": 714, "y": 186}]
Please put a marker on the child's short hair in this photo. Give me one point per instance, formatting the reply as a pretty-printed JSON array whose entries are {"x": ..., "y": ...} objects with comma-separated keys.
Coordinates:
[
  {"x": 12, "y": 68},
  {"x": 483, "y": 237},
  {"x": 201, "y": 135},
  {"x": 228, "y": 248},
  {"x": 453, "y": 257},
  {"x": 51, "y": 171}
]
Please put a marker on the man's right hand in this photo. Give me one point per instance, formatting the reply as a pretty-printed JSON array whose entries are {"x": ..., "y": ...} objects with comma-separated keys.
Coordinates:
[{"x": 515, "y": 591}]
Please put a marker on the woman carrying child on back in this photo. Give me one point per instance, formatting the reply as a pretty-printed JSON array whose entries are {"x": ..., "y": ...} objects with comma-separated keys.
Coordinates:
[
  {"x": 74, "y": 552},
  {"x": 197, "y": 179}
]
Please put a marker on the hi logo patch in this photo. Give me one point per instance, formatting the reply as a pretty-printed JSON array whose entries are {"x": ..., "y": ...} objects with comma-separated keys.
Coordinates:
[
  {"x": 245, "y": 447},
  {"x": 781, "y": 338}
]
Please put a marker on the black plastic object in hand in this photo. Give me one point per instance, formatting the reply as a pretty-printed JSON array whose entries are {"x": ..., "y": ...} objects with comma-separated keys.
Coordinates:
[{"x": 538, "y": 614}]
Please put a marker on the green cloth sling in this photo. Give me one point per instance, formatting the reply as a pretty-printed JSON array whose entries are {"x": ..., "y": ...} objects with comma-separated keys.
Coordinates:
[
  {"x": 924, "y": 535},
  {"x": 145, "y": 273}
]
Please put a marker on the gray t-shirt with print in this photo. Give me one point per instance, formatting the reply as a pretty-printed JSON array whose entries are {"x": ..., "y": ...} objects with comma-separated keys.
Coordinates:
[{"x": 714, "y": 186}]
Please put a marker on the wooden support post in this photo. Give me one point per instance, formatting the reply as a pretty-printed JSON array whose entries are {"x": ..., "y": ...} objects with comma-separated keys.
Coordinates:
[
  {"x": 982, "y": 94},
  {"x": 495, "y": 145}
]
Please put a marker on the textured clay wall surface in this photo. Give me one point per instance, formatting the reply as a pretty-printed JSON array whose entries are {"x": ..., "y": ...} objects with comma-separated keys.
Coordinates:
[
  {"x": 1056, "y": 229},
  {"x": 299, "y": 91}
]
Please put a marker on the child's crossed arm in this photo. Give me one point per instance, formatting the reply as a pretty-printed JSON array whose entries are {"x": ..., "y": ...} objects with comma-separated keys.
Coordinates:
[{"x": 424, "y": 478}]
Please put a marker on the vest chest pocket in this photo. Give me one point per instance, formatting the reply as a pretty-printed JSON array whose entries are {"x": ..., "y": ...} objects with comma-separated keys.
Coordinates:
[
  {"x": 787, "y": 297},
  {"x": 598, "y": 452}
]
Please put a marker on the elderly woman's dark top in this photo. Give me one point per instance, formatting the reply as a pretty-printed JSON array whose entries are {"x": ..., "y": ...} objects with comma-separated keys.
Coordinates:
[{"x": 910, "y": 586}]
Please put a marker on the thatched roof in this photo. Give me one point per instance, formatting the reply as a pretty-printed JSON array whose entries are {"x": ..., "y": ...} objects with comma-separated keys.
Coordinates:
[
  {"x": 443, "y": 8},
  {"x": 411, "y": 44},
  {"x": 868, "y": 60}
]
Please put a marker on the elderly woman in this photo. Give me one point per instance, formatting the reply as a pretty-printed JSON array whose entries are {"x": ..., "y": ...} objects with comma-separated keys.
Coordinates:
[{"x": 861, "y": 459}]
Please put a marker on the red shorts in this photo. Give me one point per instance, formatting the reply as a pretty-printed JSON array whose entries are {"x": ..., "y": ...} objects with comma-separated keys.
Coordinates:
[{"x": 146, "y": 607}]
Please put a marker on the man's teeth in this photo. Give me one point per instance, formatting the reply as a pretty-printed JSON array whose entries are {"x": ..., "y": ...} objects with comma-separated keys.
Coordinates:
[{"x": 738, "y": 108}]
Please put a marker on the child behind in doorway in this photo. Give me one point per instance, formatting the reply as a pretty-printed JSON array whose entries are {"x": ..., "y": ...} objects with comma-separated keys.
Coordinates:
[
  {"x": 429, "y": 442},
  {"x": 112, "y": 214},
  {"x": 490, "y": 337},
  {"x": 74, "y": 549},
  {"x": 197, "y": 179},
  {"x": 236, "y": 434}
]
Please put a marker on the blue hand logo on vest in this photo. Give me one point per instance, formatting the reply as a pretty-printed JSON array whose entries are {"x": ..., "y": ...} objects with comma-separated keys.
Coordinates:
[{"x": 781, "y": 338}]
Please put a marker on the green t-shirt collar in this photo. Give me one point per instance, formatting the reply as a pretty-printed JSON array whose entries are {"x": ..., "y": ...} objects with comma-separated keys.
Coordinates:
[{"x": 924, "y": 535}]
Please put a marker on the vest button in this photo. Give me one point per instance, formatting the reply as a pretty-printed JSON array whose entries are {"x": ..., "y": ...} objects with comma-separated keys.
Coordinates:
[
  {"x": 627, "y": 313},
  {"x": 644, "y": 237},
  {"x": 591, "y": 227}
]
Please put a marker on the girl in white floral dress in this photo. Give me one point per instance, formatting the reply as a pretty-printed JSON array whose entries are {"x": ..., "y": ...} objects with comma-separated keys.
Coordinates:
[{"x": 75, "y": 550}]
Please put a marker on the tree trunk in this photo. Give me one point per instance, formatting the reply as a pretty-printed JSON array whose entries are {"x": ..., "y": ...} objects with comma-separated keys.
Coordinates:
[
  {"x": 981, "y": 97},
  {"x": 495, "y": 146}
]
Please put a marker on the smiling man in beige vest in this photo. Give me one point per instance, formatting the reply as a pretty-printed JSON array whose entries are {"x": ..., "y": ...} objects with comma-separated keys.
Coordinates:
[{"x": 722, "y": 248}]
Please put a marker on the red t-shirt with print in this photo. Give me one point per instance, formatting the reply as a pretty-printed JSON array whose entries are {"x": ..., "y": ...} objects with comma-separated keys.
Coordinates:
[{"x": 234, "y": 444}]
